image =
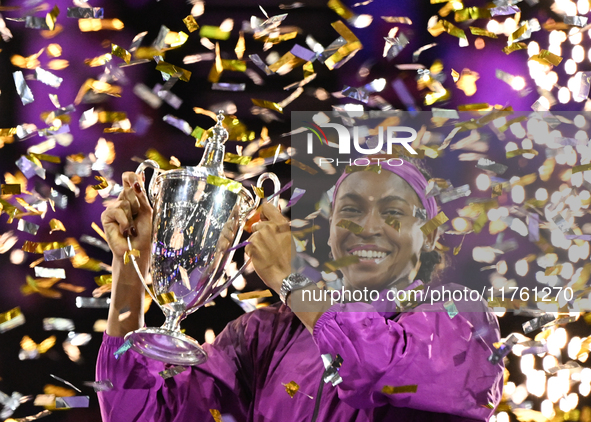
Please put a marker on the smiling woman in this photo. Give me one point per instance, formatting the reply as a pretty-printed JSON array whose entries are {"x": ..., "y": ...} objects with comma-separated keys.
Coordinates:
[{"x": 421, "y": 360}]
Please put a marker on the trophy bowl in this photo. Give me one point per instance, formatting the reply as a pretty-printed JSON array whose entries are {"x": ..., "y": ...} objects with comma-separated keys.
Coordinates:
[{"x": 197, "y": 223}]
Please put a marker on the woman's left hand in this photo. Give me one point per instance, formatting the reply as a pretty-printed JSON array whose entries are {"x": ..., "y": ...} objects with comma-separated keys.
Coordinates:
[{"x": 271, "y": 247}]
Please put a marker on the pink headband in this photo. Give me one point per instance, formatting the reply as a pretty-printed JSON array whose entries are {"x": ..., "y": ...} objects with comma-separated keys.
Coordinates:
[{"x": 411, "y": 175}]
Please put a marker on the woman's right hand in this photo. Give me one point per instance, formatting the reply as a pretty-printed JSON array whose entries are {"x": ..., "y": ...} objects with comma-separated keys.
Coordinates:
[{"x": 129, "y": 215}]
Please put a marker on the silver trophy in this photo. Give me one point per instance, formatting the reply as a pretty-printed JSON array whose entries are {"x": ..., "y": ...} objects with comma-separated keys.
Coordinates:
[{"x": 198, "y": 219}]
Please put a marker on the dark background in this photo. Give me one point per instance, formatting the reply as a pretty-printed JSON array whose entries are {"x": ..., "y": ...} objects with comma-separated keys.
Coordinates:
[{"x": 30, "y": 376}]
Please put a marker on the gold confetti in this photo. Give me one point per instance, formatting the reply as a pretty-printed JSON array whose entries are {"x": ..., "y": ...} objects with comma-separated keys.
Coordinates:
[
  {"x": 291, "y": 388},
  {"x": 341, "y": 10},
  {"x": 467, "y": 82},
  {"x": 267, "y": 104},
  {"x": 470, "y": 13},
  {"x": 394, "y": 223},
  {"x": 174, "y": 71},
  {"x": 482, "y": 32},
  {"x": 576, "y": 169},
  {"x": 165, "y": 298},
  {"x": 516, "y": 152},
  {"x": 51, "y": 17},
  {"x": 387, "y": 389},
  {"x": 254, "y": 295},
  {"x": 346, "y": 260},
  {"x": 10, "y": 315},
  {"x": 99, "y": 231},
  {"x": 547, "y": 58},
  {"x": 260, "y": 192},
  {"x": 553, "y": 270},
  {"x": 121, "y": 52},
  {"x": 90, "y": 25},
  {"x": 71, "y": 287},
  {"x": 11, "y": 189},
  {"x": 514, "y": 47},
  {"x": 444, "y": 26},
  {"x": 351, "y": 226},
  {"x": 391, "y": 19},
  {"x": 104, "y": 279},
  {"x": 230, "y": 185},
  {"x": 191, "y": 23},
  {"x": 455, "y": 75},
  {"x": 240, "y": 46},
  {"x": 128, "y": 254},
  {"x": 353, "y": 45},
  {"x": 103, "y": 183},
  {"x": 56, "y": 225},
  {"x": 301, "y": 165},
  {"x": 54, "y": 50},
  {"x": 217, "y": 416},
  {"x": 520, "y": 32},
  {"x": 237, "y": 159},
  {"x": 29, "y": 345},
  {"x": 473, "y": 107},
  {"x": 435, "y": 222},
  {"x": 39, "y": 247}
]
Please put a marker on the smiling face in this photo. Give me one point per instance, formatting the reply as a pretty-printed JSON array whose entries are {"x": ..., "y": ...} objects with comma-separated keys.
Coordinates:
[{"x": 386, "y": 256}]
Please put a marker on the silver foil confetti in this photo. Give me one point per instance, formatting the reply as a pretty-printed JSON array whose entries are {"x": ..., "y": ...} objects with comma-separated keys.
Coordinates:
[
  {"x": 71, "y": 402},
  {"x": 359, "y": 94},
  {"x": 503, "y": 350},
  {"x": 29, "y": 168},
  {"x": 61, "y": 253},
  {"x": 68, "y": 383},
  {"x": 47, "y": 78},
  {"x": 449, "y": 195},
  {"x": 23, "y": 90},
  {"x": 95, "y": 242},
  {"x": 58, "y": 324},
  {"x": 147, "y": 95},
  {"x": 92, "y": 302},
  {"x": 104, "y": 385},
  {"x": 50, "y": 272},
  {"x": 260, "y": 64},
  {"x": 537, "y": 323},
  {"x": 178, "y": 123},
  {"x": 562, "y": 224},
  {"x": 331, "y": 366},
  {"x": 579, "y": 21},
  {"x": 224, "y": 86},
  {"x": 86, "y": 12},
  {"x": 27, "y": 227},
  {"x": 503, "y": 10},
  {"x": 9, "y": 403},
  {"x": 445, "y": 113},
  {"x": 397, "y": 44},
  {"x": 172, "y": 371},
  {"x": 173, "y": 100},
  {"x": 486, "y": 164}
]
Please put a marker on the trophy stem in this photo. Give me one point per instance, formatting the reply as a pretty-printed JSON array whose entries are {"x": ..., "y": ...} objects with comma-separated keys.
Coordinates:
[{"x": 173, "y": 320}]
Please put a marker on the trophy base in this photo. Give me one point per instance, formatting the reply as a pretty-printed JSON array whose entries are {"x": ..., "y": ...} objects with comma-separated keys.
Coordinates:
[{"x": 167, "y": 346}]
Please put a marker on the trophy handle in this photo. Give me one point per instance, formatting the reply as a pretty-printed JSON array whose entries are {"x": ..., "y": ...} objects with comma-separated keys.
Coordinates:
[
  {"x": 260, "y": 181},
  {"x": 276, "y": 185},
  {"x": 152, "y": 191}
]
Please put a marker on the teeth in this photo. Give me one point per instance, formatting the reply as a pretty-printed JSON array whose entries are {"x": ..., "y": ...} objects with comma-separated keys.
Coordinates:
[{"x": 377, "y": 255}]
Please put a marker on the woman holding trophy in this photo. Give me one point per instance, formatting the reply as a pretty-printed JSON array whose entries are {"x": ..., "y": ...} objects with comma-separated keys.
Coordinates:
[{"x": 380, "y": 364}]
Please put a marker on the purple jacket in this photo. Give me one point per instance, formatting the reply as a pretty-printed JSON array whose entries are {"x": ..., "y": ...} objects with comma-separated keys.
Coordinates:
[{"x": 255, "y": 355}]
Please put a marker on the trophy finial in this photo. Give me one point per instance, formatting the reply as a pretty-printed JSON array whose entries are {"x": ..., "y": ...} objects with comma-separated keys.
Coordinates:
[{"x": 219, "y": 133}]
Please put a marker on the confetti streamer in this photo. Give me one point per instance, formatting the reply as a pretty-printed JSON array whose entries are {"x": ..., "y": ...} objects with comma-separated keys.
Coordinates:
[{"x": 254, "y": 295}]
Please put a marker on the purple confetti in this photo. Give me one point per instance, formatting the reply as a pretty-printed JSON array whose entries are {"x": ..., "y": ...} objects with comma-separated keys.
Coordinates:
[
  {"x": 296, "y": 196},
  {"x": 578, "y": 236},
  {"x": 303, "y": 53},
  {"x": 283, "y": 189},
  {"x": 238, "y": 246},
  {"x": 534, "y": 227}
]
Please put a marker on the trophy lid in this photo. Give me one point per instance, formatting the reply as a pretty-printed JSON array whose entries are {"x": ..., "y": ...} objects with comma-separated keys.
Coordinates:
[{"x": 213, "y": 155}]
